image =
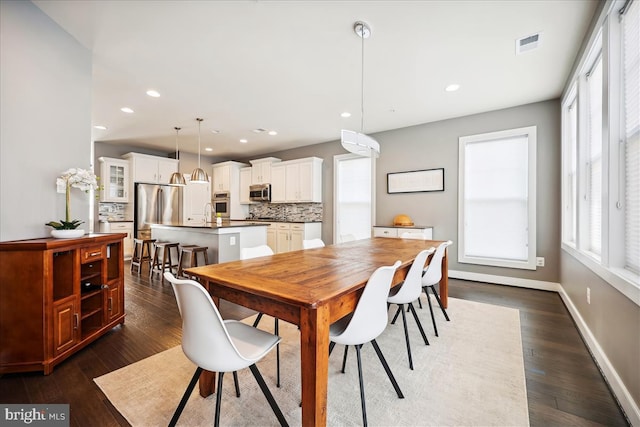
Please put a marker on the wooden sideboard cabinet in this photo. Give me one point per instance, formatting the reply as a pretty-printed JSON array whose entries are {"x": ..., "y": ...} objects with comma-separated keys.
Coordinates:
[{"x": 57, "y": 296}]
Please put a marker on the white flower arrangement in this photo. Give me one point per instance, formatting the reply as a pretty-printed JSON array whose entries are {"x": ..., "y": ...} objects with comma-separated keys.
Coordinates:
[{"x": 83, "y": 179}]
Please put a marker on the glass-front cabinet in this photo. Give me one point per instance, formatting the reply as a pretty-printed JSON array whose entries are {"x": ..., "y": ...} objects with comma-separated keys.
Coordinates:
[{"x": 114, "y": 179}]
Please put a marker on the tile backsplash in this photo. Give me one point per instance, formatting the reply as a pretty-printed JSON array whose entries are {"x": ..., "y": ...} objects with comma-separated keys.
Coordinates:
[{"x": 287, "y": 211}]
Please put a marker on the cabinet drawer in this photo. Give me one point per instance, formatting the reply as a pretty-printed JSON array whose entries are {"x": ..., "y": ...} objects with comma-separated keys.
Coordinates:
[
  {"x": 283, "y": 226},
  {"x": 384, "y": 232},
  {"x": 92, "y": 254},
  {"x": 297, "y": 227}
]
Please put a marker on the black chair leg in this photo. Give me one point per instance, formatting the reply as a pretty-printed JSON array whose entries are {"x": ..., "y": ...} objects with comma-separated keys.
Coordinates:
[
  {"x": 419, "y": 303},
  {"x": 331, "y": 345},
  {"x": 435, "y": 293},
  {"x": 185, "y": 397},
  {"x": 395, "y": 316},
  {"x": 387, "y": 369},
  {"x": 218, "y": 399},
  {"x": 433, "y": 319},
  {"x": 255, "y": 322},
  {"x": 415, "y": 316},
  {"x": 276, "y": 330},
  {"x": 235, "y": 381},
  {"x": 344, "y": 358},
  {"x": 268, "y": 395},
  {"x": 406, "y": 335},
  {"x": 364, "y": 407}
]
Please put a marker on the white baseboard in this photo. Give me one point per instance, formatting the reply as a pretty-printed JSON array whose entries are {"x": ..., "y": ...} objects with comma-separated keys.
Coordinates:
[
  {"x": 615, "y": 382},
  {"x": 503, "y": 280},
  {"x": 621, "y": 392}
]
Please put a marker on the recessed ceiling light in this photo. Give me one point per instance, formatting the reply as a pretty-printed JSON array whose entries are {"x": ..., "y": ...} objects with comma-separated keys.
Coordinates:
[
  {"x": 258, "y": 130},
  {"x": 452, "y": 87},
  {"x": 273, "y": 132},
  {"x": 244, "y": 141},
  {"x": 345, "y": 114},
  {"x": 126, "y": 110},
  {"x": 153, "y": 93},
  {"x": 208, "y": 149},
  {"x": 215, "y": 131},
  {"x": 100, "y": 127}
]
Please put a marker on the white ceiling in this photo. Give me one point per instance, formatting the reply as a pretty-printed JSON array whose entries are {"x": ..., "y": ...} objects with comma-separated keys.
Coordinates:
[{"x": 294, "y": 66}]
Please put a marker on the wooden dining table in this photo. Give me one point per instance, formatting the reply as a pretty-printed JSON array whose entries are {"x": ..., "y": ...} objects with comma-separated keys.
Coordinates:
[{"x": 310, "y": 288}]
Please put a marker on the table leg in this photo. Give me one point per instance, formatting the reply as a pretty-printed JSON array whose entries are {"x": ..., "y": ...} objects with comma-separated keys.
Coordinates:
[
  {"x": 314, "y": 355},
  {"x": 444, "y": 281}
]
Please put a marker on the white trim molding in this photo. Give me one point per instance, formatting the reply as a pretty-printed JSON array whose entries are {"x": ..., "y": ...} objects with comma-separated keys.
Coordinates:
[{"x": 504, "y": 280}]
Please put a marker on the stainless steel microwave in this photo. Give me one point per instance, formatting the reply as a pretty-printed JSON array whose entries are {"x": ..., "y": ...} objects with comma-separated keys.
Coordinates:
[{"x": 260, "y": 193}]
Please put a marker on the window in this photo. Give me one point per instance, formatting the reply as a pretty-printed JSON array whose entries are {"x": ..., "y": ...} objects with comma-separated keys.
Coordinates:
[
  {"x": 594, "y": 159},
  {"x": 352, "y": 197},
  {"x": 601, "y": 128},
  {"x": 631, "y": 133},
  {"x": 497, "y": 199},
  {"x": 570, "y": 168}
]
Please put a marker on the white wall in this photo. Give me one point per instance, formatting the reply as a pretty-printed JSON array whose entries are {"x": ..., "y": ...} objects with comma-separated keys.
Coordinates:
[{"x": 45, "y": 112}]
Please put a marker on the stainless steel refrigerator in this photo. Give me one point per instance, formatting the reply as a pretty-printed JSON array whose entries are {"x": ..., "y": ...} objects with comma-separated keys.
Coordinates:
[{"x": 156, "y": 204}]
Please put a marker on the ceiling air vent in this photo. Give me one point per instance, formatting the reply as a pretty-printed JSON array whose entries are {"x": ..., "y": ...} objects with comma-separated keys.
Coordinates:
[{"x": 525, "y": 44}]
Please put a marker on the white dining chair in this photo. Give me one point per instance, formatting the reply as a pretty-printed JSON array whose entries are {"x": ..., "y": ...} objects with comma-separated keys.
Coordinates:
[
  {"x": 431, "y": 276},
  {"x": 312, "y": 243},
  {"x": 410, "y": 291},
  {"x": 365, "y": 324},
  {"x": 218, "y": 345},
  {"x": 256, "y": 252}
]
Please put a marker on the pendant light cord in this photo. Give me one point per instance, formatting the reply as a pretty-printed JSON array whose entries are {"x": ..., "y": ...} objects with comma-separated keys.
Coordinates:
[
  {"x": 199, "y": 121},
  {"x": 177, "y": 153},
  {"x": 362, "y": 81}
]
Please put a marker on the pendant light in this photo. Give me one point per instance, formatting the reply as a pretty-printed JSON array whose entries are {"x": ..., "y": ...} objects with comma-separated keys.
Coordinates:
[
  {"x": 177, "y": 178},
  {"x": 358, "y": 142},
  {"x": 198, "y": 175}
]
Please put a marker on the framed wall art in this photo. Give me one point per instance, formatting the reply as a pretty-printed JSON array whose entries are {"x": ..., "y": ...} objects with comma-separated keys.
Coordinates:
[{"x": 415, "y": 181}]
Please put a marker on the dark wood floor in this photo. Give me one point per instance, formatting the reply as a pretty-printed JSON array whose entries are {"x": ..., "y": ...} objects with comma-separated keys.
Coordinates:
[{"x": 564, "y": 385}]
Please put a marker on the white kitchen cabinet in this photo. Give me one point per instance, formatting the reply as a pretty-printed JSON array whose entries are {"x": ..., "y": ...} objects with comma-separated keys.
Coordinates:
[
  {"x": 272, "y": 241},
  {"x": 261, "y": 170},
  {"x": 121, "y": 227},
  {"x": 226, "y": 177},
  {"x": 195, "y": 197},
  {"x": 396, "y": 232},
  {"x": 151, "y": 169},
  {"x": 114, "y": 179},
  {"x": 289, "y": 236},
  {"x": 278, "y": 183},
  {"x": 297, "y": 181},
  {"x": 245, "y": 183}
]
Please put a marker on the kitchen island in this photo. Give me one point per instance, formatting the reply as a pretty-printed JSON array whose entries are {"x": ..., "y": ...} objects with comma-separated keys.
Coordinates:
[{"x": 223, "y": 241}]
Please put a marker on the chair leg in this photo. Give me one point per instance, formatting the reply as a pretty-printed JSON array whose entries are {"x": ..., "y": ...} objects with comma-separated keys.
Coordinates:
[
  {"x": 235, "y": 381},
  {"x": 387, "y": 369},
  {"x": 255, "y": 322},
  {"x": 406, "y": 335},
  {"x": 275, "y": 327},
  {"x": 419, "y": 303},
  {"x": 433, "y": 318},
  {"x": 218, "y": 399},
  {"x": 415, "y": 316},
  {"x": 395, "y": 316},
  {"x": 364, "y": 408},
  {"x": 344, "y": 358},
  {"x": 435, "y": 293},
  {"x": 185, "y": 397},
  {"x": 331, "y": 345},
  {"x": 268, "y": 395}
]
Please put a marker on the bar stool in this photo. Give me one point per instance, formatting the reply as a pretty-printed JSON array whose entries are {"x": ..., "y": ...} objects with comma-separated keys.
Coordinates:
[
  {"x": 193, "y": 252},
  {"x": 159, "y": 265},
  {"x": 138, "y": 258}
]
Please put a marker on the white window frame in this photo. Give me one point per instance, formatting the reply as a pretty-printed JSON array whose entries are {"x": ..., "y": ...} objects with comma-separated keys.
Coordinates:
[
  {"x": 609, "y": 265},
  {"x": 570, "y": 167},
  {"x": 530, "y": 263}
]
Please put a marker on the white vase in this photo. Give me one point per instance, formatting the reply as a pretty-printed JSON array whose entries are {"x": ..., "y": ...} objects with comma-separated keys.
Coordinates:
[{"x": 67, "y": 234}]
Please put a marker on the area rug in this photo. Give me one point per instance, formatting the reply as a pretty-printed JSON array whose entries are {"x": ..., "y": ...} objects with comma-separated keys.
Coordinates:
[{"x": 471, "y": 375}]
